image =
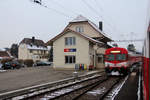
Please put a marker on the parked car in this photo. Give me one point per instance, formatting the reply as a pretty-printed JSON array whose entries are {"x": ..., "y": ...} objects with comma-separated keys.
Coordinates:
[
  {"x": 7, "y": 65},
  {"x": 0, "y": 66},
  {"x": 11, "y": 65},
  {"x": 43, "y": 63}
]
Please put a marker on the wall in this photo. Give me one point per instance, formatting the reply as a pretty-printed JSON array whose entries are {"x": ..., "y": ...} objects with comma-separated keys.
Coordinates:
[
  {"x": 82, "y": 53},
  {"x": 88, "y": 30},
  {"x": 23, "y": 52},
  {"x": 101, "y": 50}
]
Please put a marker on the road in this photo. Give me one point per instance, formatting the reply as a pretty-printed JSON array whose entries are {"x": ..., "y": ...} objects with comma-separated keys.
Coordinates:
[{"x": 25, "y": 77}]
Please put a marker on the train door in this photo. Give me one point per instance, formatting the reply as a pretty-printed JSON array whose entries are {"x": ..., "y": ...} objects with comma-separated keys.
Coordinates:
[{"x": 149, "y": 58}]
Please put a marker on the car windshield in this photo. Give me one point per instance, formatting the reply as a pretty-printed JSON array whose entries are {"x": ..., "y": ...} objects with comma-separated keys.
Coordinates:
[
  {"x": 120, "y": 57},
  {"x": 110, "y": 57}
]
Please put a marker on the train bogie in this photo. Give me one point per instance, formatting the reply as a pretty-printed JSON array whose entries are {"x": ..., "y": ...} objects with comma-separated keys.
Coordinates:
[{"x": 117, "y": 70}]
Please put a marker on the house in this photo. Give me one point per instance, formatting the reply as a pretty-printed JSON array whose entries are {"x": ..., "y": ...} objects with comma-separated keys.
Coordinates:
[
  {"x": 80, "y": 43},
  {"x": 31, "y": 48},
  {"x": 4, "y": 55}
]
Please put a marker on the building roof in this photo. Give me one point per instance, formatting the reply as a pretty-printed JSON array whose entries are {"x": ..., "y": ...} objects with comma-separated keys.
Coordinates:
[
  {"x": 81, "y": 18},
  {"x": 35, "y": 42},
  {"x": 78, "y": 33},
  {"x": 4, "y": 54}
]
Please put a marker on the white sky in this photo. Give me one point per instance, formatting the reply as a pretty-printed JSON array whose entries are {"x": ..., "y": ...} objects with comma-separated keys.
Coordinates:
[{"x": 23, "y": 19}]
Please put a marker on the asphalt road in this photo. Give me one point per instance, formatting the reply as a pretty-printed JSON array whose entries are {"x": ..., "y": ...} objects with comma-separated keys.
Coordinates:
[{"x": 25, "y": 77}]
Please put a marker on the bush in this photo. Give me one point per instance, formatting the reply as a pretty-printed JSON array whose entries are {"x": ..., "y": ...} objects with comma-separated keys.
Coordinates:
[
  {"x": 20, "y": 61},
  {"x": 28, "y": 62},
  {"x": 3, "y": 61}
]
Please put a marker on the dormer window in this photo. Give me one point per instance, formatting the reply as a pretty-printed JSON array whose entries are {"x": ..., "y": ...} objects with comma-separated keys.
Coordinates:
[{"x": 79, "y": 29}]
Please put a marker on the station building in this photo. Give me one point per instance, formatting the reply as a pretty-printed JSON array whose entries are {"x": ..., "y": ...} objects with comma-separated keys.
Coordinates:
[{"x": 80, "y": 43}]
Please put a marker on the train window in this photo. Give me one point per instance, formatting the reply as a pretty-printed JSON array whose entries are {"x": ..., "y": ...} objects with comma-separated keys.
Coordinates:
[
  {"x": 120, "y": 57},
  {"x": 110, "y": 57}
]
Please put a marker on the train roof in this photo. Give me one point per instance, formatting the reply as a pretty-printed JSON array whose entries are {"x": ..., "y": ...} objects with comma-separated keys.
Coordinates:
[
  {"x": 123, "y": 50},
  {"x": 134, "y": 53}
]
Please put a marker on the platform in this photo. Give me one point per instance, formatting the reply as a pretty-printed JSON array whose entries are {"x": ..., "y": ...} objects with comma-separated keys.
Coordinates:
[{"x": 130, "y": 90}]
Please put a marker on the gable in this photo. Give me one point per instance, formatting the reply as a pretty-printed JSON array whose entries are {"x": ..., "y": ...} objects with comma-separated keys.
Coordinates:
[
  {"x": 88, "y": 29},
  {"x": 50, "y": 42},
  {"x": 79, "y": 39}
]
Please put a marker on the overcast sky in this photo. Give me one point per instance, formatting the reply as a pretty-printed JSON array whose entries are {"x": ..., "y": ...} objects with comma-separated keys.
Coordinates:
[{"x": 123, "y": 19}]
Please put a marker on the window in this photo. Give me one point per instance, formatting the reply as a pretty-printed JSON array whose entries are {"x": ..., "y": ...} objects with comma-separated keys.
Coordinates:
[
  {"x": 79, "y": 29},
  {"x": 100, "y": 58},
  {"x": 31, "y": 51},
  {"x": 70, "y": 41},
  {"x": 44, "y": 52},
  {"x": 120, "y": 57},
  {"x": 70, "y": 59},
  {"x": 110, "y": 57}
]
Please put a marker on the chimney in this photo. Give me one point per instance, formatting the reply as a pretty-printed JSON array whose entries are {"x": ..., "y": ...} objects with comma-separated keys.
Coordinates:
[
  {"x": 33, "y": 39},
  {"x": 101, "y": 26}
]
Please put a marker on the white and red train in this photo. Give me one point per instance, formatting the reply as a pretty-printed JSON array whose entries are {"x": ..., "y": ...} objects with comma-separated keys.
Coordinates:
[
  {"x": 119, "y": 60},
  {"x": 146, "y": 66}
]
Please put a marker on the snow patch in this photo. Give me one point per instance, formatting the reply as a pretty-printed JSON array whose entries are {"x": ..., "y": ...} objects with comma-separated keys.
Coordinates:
[
  {"x": 34, "y": 47},
  {"x": 2, "y": 70},
  {"x": 116, "y": 90},
  {"x": 133, "y": 74},
  {"x": 115, "y": 73},
  {"x": 81, "y": 18},
  {"x": 139, "y": 88},
  {"x": 97, "y": 91}
]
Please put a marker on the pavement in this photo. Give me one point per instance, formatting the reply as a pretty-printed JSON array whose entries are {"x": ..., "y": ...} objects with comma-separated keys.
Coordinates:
[
  {"x": 25, "y": 77},
  {"x": 129, "y": 91}
]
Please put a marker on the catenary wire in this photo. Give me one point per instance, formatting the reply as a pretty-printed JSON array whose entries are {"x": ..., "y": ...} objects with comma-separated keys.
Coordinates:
[{"x": 50, "y": 8}]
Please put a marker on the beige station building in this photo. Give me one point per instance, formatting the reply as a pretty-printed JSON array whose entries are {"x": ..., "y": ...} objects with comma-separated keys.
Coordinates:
[
  {"x": 81, "y": 43},
  {"x": 31, "y": 48}
]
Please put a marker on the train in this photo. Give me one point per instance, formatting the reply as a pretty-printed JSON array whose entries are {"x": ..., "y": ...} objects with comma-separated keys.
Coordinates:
[
  {"x": 146, "y": 65},
  {"x": 119, "y": 61}
]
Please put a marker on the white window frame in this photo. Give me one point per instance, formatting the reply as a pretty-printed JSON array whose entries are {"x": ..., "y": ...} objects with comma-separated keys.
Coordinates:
[
  {"x": 80, "y": 29},
  {"x": 70, "y": 41},
  {"x": 71, "y": 59}
]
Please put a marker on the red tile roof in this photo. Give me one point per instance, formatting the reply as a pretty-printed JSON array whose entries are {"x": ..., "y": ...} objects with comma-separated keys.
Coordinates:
[{"x": 4, "y": 54}]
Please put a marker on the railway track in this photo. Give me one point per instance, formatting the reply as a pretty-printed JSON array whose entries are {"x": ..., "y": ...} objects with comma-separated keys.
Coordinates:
[
  {"x": 94, "y": 91},
  {"x": 29, "y": 92},
  {"x": 62, "y": 90},
  {"x": 95, "y": 87},
  {"x": 82, "y": 90}
]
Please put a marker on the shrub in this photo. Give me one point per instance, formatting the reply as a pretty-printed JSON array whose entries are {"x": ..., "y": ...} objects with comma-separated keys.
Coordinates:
[
  {"x": 5, "y": 60},
  {"x": 20, "y": 61}
]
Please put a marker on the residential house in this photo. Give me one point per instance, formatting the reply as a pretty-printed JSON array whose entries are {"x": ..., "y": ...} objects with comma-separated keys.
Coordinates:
[
  {"x": 4, "y": 55},
  {"x": 31, "y": 48}
]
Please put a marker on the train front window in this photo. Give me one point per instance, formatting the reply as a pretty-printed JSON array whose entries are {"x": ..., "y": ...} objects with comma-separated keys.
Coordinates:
[
  {"x": 110, "y": 57},
  {"x": 120, "y": 57}
]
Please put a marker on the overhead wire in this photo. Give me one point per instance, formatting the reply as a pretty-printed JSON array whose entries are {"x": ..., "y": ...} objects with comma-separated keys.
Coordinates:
[
  {"x": 57, "y": 3},
  {"x": 96, "y": 12},
  {"x": 89, "y": 6},
  {"x": 101, "y": 9},
  {"x": 54, "y": 10}
]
